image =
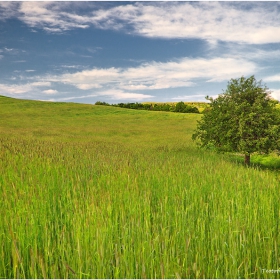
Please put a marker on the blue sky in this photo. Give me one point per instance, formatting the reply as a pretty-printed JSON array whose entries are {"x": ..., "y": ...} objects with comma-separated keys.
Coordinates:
[{"x": 135, "y": 51}]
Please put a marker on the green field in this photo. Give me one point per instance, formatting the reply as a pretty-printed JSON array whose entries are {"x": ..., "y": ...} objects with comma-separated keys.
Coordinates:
[{"x": 103, "y": 192}]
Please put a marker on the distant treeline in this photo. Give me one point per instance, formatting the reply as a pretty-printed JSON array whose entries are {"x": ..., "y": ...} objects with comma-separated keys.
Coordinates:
[{"x": 179, "y": 107}]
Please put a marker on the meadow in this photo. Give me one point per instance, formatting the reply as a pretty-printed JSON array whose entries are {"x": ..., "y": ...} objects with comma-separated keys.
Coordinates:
[{"x": 103, "y": 192}]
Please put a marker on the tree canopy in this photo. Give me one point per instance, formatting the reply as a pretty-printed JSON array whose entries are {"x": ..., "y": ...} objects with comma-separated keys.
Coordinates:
[{"x": 243, "y": 119}]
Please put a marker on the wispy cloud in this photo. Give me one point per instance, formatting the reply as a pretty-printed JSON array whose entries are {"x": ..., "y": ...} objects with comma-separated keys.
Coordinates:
[
  {"x": 50, "y": 91},
  {"x": 88, "y": 79},
  {"x": 112, "y": 94},
  {"x": 189, "y": 97},
  {"x": 255, "y": 23},
  {"x": 50, "y": 16},
  {"x": 273, "y": 78},
  {"x": 18, "y": 89},
  {"x": 156, "y": 75},
  {"x": 8, "y": 9},
  {"x": 71, "y": 98},
  {"x": 129, "y": 82},
  {"x": 40, "y": 84},
  {"x": 275, "y": 93},
  {"x": 120, "y": 94},
  {"x": 15, "y": 89},
  {"x": 246, "y": 22},
  {"x": 72, "y": 66},
  {"x": 8, "y": 50}
]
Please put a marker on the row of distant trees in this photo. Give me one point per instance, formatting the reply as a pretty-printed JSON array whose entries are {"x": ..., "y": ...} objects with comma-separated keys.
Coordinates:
[{"x": 179, "y": 107}]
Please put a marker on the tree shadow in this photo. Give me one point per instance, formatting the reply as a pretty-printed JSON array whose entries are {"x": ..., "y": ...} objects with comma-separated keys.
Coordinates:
[{"x": 262, "y": 162}]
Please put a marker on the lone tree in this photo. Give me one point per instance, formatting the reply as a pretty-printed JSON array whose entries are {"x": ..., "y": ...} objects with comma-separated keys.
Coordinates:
[{"x": 243, "y": 119}]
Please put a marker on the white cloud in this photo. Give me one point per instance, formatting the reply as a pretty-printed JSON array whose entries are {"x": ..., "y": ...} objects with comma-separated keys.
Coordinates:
[
  {"x": 249, "y": 52},
  {"x": 274, "y": 78},
  {"x": 70, "y": 66},
  {"x": 76, "y": 97},
  {"x": 8, "y": 50},
  {"x": 8, "y": 9},
  {"x": 212, "y": 21},
  {"x": 87, "y": 86},
  {"x": 89, "y": 79},
  {"x": 247, "y": 22},
  {"x": 125, "y": 83},
  {"x": 119, "y": 94},
  {"x": 15, "y": 89},
  {"x": 41, "y": 84},
  {"x": 113, "y": 94},
  {"x": 190, "y": 97},
  {"x": 156, "y": 75},
  {"x": 275, "y": 93},
  {"x": 18, "y": 89},
  {"x": 50, "y": 16},
  {"x": 50, "y": 91}
]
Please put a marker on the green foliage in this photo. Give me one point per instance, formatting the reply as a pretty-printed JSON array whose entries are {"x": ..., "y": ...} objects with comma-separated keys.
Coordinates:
[
  {"x": 243, "y": 119},
  {"x": 102, "y": 103},
  {"x": 179, "y": 107}
]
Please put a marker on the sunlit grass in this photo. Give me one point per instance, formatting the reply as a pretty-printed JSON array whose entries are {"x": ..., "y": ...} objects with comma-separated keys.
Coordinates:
[{"x": 103, "y": 192}]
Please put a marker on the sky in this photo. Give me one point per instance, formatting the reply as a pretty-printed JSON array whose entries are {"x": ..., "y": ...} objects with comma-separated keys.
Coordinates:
[{"x": 136, "y": 51}]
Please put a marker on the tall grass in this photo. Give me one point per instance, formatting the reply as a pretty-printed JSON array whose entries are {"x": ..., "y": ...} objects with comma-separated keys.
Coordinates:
[{"x": 130, "y": 198}]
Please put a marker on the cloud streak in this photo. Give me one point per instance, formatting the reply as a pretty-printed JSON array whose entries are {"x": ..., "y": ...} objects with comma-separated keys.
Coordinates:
[
  {"x": 50, "y": 16},
  {"x": 136, "y": 82},
  {"x": 242, "y": 22},
  {"x": 254, "y": 23},
  {"x": 274, "y": 78},
  {"x": 157, "y": 75}
]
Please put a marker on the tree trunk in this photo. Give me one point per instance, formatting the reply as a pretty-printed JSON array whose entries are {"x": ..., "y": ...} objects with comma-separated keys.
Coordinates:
[{"x": 247, "y": 159}]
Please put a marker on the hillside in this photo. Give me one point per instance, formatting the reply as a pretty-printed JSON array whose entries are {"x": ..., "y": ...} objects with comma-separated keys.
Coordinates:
[
  {"x": 78, "y": 122},
  {"x": 103, "y": 192}
]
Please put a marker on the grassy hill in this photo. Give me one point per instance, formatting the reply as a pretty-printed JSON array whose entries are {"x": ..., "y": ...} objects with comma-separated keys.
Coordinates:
[
  {"x": 103, "y": 192},
  {"x": 78, "y": 122}
]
